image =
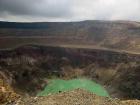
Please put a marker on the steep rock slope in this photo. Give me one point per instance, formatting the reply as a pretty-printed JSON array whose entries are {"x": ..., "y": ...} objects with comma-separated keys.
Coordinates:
[{"x": 32, "y": 66}]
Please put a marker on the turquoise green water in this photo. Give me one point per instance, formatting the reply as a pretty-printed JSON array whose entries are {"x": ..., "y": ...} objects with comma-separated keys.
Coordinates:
[{"x": 58, "y": 85}]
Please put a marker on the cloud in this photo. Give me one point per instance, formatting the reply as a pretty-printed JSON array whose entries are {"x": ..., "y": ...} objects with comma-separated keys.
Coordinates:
[
  {"x": 109, "y": 9},
  {"x": 49, "y": 8},
  {"x": 69, "y": 10}
]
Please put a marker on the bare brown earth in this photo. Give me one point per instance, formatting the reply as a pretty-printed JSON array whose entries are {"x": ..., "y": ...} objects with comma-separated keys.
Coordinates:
[{"x": 75, "y": 97}]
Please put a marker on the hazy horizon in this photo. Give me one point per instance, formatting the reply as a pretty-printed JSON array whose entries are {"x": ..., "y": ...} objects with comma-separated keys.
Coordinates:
[{"x": 68, "y": 21}]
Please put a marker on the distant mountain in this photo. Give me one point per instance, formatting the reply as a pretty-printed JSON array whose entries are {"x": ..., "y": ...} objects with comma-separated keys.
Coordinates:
[{"x": 122, "y": 35}]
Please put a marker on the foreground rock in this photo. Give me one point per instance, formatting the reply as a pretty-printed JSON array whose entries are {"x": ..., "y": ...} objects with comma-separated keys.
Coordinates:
[
  {"x": 7, "y": 95},
  {"x": 76, "y": 97}
]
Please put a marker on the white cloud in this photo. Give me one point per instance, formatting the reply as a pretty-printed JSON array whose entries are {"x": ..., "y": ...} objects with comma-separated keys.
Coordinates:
[{"x": 69, "y": 10}]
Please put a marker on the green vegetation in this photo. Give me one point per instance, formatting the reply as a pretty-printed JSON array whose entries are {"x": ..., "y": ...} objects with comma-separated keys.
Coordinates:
[{"x": 57, "y": 85}]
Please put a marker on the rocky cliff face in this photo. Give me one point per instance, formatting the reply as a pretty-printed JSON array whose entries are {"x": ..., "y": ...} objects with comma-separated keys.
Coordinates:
[{"x": 27, "y": 68}]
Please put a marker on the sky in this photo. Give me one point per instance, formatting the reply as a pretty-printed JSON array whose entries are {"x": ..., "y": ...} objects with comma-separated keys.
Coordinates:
[{"x": 69, "y": 10}]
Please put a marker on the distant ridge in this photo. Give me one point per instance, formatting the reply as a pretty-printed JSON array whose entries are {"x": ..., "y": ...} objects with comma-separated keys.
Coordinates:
[
  {"x": 120, "y": 35},
  {"x": 32, "y": 25}
]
